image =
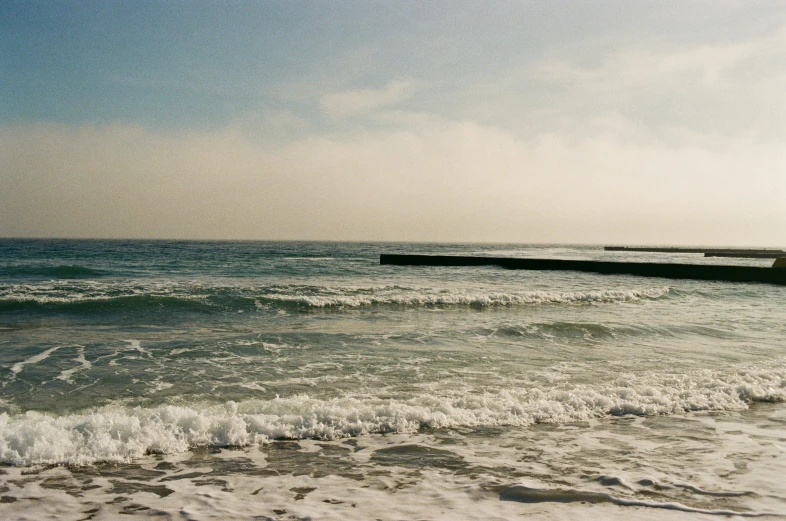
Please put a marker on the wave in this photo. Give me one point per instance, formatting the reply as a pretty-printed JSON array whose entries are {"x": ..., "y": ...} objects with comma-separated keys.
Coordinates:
[
  {"x": 462, "y": 298},
  {"x": 557, "y": 330},
  {"x": 481, "y": 299},
  {"x": 307, "y": 258},
  {"x": 56, "y": 272},
  {"x": 102, "y": 305},
  {"x": 117, "y": 434},
  {"x": 125, "y": 295}
]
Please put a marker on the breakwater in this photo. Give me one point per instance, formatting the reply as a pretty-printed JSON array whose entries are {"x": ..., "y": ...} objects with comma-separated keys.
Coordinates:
[
  {"x": 675, "y": 249},
  {"x": 642, "y": 269},
  {"x": 746, "y": 255}
]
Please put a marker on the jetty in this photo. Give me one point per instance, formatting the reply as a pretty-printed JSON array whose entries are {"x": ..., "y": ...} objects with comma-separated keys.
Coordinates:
[
  {"x": 746, "y": 255},
  {"x": 724, "y": 251},
  {"x": 769, "y": 275}
]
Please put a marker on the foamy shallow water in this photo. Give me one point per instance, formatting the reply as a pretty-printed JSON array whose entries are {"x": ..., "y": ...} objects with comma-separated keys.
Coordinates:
[
  {"x": 305, "y": 381},
  {"x": 701, "y": 465}
]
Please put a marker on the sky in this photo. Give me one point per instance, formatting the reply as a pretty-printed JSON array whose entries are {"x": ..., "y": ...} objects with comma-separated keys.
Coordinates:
[{"x": 595, "y": 122}]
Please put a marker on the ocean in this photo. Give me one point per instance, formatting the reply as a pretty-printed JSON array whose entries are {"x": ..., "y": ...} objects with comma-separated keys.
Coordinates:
[{"x": 303, "y": 380}]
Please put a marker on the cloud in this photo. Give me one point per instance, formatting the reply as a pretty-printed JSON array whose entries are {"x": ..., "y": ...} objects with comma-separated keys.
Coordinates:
[
  {"x": 357, "y": 102},
  {"x": 729, "y": 88},
  {"x": 717, "y": 88},
  {"x": 436, "y": 180},
  {"x": 644, "y": 68}
]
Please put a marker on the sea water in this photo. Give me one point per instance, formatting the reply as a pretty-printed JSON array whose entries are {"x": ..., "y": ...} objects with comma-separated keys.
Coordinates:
[{"x": 286, "y": 380}]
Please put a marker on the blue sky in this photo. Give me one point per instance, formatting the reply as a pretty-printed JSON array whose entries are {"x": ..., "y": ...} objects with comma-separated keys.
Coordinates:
[{"x": 639, "y": 122}]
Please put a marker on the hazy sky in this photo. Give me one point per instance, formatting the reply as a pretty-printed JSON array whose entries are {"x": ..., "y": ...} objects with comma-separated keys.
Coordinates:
[{"x": 536, "y": 121}]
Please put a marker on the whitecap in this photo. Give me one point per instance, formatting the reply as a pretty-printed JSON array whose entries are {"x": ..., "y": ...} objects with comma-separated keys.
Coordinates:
[{"x": 115, "y": 433}]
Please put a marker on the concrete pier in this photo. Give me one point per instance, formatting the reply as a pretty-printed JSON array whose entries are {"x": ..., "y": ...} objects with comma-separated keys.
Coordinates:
[
  {"x": 755, "y": 255},
  {"x": 694, "y": 250},
  {"x": 641, "y": 269}
]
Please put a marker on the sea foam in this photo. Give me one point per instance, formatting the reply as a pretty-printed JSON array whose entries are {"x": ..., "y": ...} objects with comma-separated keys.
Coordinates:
[
  {"x": 468, "y": 298},
  {"x": 116, "y": 433}
]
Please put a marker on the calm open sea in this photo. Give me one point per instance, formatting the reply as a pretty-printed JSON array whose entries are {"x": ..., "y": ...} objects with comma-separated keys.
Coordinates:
[{"x": 286, "y": 380}]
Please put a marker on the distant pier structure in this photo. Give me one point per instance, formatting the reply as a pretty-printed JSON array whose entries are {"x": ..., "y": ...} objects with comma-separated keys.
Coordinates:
[
  {"x": 751, "y": 255},
  {"x": 741, "y": 253},
  {"x": 773, "y": 275}
]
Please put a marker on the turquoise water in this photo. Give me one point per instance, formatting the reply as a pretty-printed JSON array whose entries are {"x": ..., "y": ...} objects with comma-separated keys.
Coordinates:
[{"x": 451, "y": 383}]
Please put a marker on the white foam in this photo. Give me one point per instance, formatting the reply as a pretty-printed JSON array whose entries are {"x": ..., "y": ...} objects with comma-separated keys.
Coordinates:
[
  {"x": 17, "y": 367},
  {"x": 477, "y": 298},
  {"x": 158, "y": 385},
  {"x": 84, "y": 365},
  {"x": 310, "y": 258},
  {"x": 117, "y": 433},
  {"x": 372, "y": 477},
  {"x": 254, "y": 386},
  {"x": 70, "y": 292},
  {"x": 77, "y": 291},
  {"x": 135, "y": 345}
]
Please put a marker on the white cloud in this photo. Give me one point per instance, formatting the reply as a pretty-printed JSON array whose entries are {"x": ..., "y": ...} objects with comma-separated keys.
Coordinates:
[
  {"x": 645, "y": 68},
  {"x": 720, "y": 88},
  {"x": 360, "y": 101}
]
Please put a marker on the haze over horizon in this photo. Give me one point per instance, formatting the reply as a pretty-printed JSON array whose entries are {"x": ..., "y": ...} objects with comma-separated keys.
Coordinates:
[{"x": 530, "y": 122}]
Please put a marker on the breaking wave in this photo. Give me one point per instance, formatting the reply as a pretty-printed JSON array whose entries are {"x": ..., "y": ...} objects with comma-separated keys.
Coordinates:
[
  {"x": 90, "y": 296},
  {"x": 475, "y": 299},
  {"x": 116, "y": 433}
]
